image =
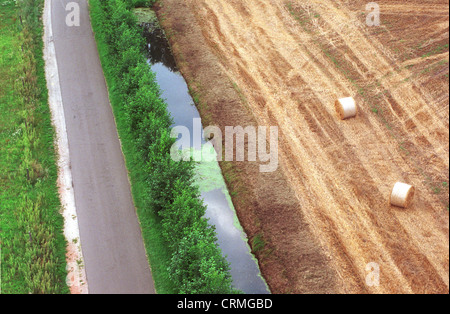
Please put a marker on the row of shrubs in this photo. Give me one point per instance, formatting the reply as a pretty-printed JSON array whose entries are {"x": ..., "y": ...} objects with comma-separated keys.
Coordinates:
[
  {"x": 195, "y": 264},
  {"x": 32, "y": 242}
]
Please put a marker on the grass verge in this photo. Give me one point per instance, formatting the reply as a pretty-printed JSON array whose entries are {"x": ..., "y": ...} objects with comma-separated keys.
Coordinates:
[{"x": 32, "y": 241}]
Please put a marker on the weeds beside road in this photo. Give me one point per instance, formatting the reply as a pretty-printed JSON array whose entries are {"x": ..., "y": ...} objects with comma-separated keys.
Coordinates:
[{"x": 32, "y": 241}]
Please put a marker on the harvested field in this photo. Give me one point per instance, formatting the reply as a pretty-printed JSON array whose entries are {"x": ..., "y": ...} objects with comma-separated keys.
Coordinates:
[{"x": 325, "y": 214}]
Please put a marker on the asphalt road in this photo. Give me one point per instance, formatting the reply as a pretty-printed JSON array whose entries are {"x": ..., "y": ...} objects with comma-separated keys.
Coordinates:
[{"x": 113, "y": 249}]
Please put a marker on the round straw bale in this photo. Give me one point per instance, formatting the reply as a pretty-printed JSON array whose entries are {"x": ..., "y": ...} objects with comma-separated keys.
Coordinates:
[
  {"x": 402, "y": 195},
  {"x": 346, "y": 108}
]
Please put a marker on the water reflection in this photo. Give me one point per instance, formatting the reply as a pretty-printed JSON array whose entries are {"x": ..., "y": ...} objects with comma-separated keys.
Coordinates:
[
  {"x": 231, "y": 238},
  {"x": 233, "y": 243},
  {"x": 158, "y": 48}
]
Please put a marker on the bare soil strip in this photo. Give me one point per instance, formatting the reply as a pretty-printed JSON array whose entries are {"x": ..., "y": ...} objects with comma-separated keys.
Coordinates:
[{"x": 284, "y": 63}]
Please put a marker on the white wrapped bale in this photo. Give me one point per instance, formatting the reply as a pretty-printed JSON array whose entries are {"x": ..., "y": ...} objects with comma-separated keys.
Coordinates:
[
  {"x": 402, "y": 195},
  {"x": 346, "y": 108}
]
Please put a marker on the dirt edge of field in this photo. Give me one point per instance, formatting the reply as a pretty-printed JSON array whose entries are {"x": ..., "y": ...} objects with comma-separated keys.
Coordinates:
[{"x": 290, "y": 258}]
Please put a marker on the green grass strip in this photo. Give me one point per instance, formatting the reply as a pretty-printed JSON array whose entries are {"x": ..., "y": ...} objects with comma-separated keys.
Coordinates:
[{"x": 31, "y": 227}]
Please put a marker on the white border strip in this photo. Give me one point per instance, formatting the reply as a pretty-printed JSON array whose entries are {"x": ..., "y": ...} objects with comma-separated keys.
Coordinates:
[{"x": 76, "y": 277}]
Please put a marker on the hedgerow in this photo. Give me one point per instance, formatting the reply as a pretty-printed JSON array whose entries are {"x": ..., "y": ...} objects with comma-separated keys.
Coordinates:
[{"x": 166, "y": 198}]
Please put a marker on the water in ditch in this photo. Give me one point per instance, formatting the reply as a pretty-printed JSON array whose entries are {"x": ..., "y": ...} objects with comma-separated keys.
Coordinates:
[{"x": 220, "y": 211}]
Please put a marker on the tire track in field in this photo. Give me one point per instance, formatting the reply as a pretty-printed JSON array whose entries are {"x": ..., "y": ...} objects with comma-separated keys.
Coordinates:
[{"x": 342, "y": 172}]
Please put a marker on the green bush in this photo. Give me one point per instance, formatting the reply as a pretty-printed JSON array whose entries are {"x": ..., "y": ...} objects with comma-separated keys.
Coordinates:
[
  {"x": 142, "y": 3},
  {"x": 195, "y": 263}
]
